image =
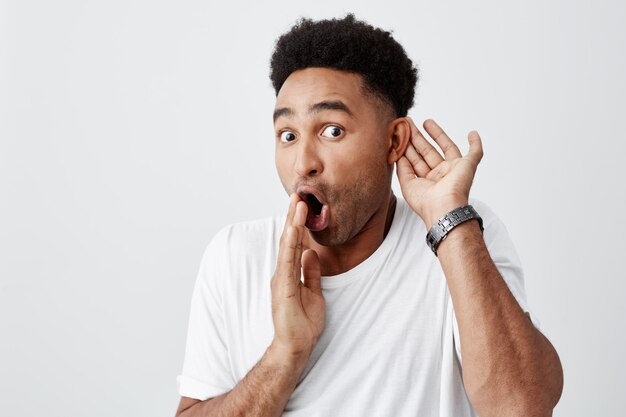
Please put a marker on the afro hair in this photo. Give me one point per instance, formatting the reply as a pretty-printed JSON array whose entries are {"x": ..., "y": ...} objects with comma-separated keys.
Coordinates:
[{"x": 349, "y": 45}]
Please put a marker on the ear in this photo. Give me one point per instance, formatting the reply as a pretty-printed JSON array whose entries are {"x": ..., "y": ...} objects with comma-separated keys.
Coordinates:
[{"x": 398, "y": 136}]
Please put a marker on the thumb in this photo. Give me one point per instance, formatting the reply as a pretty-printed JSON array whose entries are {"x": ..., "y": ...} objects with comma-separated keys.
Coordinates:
[
  {"x": 311, "y": 271},
  {"x": 475, "y": 152}
]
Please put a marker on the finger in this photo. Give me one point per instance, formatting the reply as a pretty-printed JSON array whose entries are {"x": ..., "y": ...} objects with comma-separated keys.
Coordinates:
[
  {"x": 285, "y": 265},
  {"x": 425, "y": 149},
  {"x": 299, "y": 217},
  {"x": 420, "y": 166},
  {"x": 298, "y": 222},
  {"x": 290, "y": 247},
  {"x": 449, "y": 148},
  {"x": 475, "y": 153},
  {"x": 293, "y": 201},
  {"x": 404, "y": 171},
  {"x": 312, "y": 271}
]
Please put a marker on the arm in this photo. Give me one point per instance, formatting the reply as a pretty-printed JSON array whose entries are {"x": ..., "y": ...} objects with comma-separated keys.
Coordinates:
[
  {"x": 264, "y": 391},
  {"x": 298, "y": 312},
  {"x": 509, "y": 367}
]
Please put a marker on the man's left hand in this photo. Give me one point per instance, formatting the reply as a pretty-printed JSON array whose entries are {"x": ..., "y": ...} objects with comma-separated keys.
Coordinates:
[{"x": 433, "y": 184}]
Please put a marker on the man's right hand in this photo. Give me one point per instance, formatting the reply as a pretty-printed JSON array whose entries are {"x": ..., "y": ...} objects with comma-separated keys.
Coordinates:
[{"x": 298, "y": 309}]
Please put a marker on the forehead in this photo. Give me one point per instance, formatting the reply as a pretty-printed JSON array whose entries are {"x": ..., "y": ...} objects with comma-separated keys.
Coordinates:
[{"x": 306, "y": 87}]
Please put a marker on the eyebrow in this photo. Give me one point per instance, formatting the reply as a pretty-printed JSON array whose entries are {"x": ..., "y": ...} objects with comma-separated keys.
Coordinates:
[
  {"x": 285, "y": 111},
  {"x": 330, "y": 105},
  {"x": 315, "y": 108}
]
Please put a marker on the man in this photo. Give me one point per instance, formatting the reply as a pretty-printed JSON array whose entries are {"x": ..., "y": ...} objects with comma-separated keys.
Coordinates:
[{"x": 342, "y": 308}]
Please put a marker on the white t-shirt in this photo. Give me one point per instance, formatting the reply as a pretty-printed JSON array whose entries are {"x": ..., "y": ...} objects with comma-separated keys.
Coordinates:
[{"x": 390, "y": 346}]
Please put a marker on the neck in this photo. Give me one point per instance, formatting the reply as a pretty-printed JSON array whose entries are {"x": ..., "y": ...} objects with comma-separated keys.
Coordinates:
[{"x": 338, "y": 259}]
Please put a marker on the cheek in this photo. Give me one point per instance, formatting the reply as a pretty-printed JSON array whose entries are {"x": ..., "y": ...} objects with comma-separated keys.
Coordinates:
[
  {"x": 362, "y": 159},
  {"x": 282, "y": 168}
]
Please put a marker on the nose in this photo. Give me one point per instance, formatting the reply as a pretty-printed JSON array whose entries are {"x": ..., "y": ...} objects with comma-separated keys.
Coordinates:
[{"x": 308, "y": 161}]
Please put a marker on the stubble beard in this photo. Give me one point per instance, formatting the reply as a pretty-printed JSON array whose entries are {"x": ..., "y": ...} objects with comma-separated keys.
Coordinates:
[{"x": 354, "y": 205}]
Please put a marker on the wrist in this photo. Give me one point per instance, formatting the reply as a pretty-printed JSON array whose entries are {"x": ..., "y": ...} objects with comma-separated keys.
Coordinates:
[
  {"x": 438, "y": 209},
  {"x": 451, "y": 220},
  {"x": 459, "y": 238},
  {"x": 285, "y": 357}
]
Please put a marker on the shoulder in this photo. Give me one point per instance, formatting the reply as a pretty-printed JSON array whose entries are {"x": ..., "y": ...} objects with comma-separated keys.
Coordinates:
[
  {"x": 493, "y": 225},
  {"x": 247, "y": 242},
  {"x": 412, "y": 224},
  {"x": 483, "y": 209},
  {"x": 498, "y": 240},
  {"x": 245, "y": 235}
]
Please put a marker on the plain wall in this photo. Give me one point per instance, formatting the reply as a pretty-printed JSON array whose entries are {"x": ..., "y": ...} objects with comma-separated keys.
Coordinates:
[{"x": 131, "y": 131}]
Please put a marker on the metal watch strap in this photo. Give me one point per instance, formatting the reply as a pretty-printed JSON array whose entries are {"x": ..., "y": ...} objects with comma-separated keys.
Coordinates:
[{"x": 440, "y": 230}]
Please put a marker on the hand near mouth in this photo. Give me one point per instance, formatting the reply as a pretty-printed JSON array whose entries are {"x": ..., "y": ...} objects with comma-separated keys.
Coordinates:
[
  {"x": 431, "y": 184},
  {"x": 298, "y": 309}
]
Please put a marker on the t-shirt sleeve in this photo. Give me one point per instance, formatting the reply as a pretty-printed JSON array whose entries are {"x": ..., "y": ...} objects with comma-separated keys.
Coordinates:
[
  {"x": 206, "y": 370},
  {"x": 505, "y": 258}
]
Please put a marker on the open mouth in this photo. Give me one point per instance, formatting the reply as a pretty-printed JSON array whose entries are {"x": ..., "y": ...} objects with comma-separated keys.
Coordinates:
[
  {"x": 314, "y": 204},
  {"x": 318, "y": 215}
]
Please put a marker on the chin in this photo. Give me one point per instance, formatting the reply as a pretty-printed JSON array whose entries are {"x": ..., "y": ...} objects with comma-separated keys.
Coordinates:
[
  {"x": 331, "y": 236},
  {"x": 326, "y": 237}
]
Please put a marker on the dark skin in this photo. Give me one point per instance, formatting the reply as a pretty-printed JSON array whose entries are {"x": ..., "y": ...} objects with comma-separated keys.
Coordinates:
[
  {"x": 353, "y": 169},
  {"x": 347, "y": 152}
]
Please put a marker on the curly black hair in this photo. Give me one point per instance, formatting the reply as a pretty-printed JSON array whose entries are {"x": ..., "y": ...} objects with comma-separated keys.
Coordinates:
[{"x": 350, "y": 45}]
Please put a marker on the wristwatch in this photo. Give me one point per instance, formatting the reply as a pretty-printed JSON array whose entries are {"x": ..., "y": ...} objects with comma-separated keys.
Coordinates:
[{"x": 440, "y": 230}]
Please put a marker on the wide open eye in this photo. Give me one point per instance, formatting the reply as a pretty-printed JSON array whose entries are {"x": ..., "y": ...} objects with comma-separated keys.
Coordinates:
[
  {"x": 332, "y": 131},
  {"x": 287, "y": 136}
]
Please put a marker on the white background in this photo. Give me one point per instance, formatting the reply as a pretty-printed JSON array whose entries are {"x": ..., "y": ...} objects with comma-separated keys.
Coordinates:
[{"x": 131, "y": 131}]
